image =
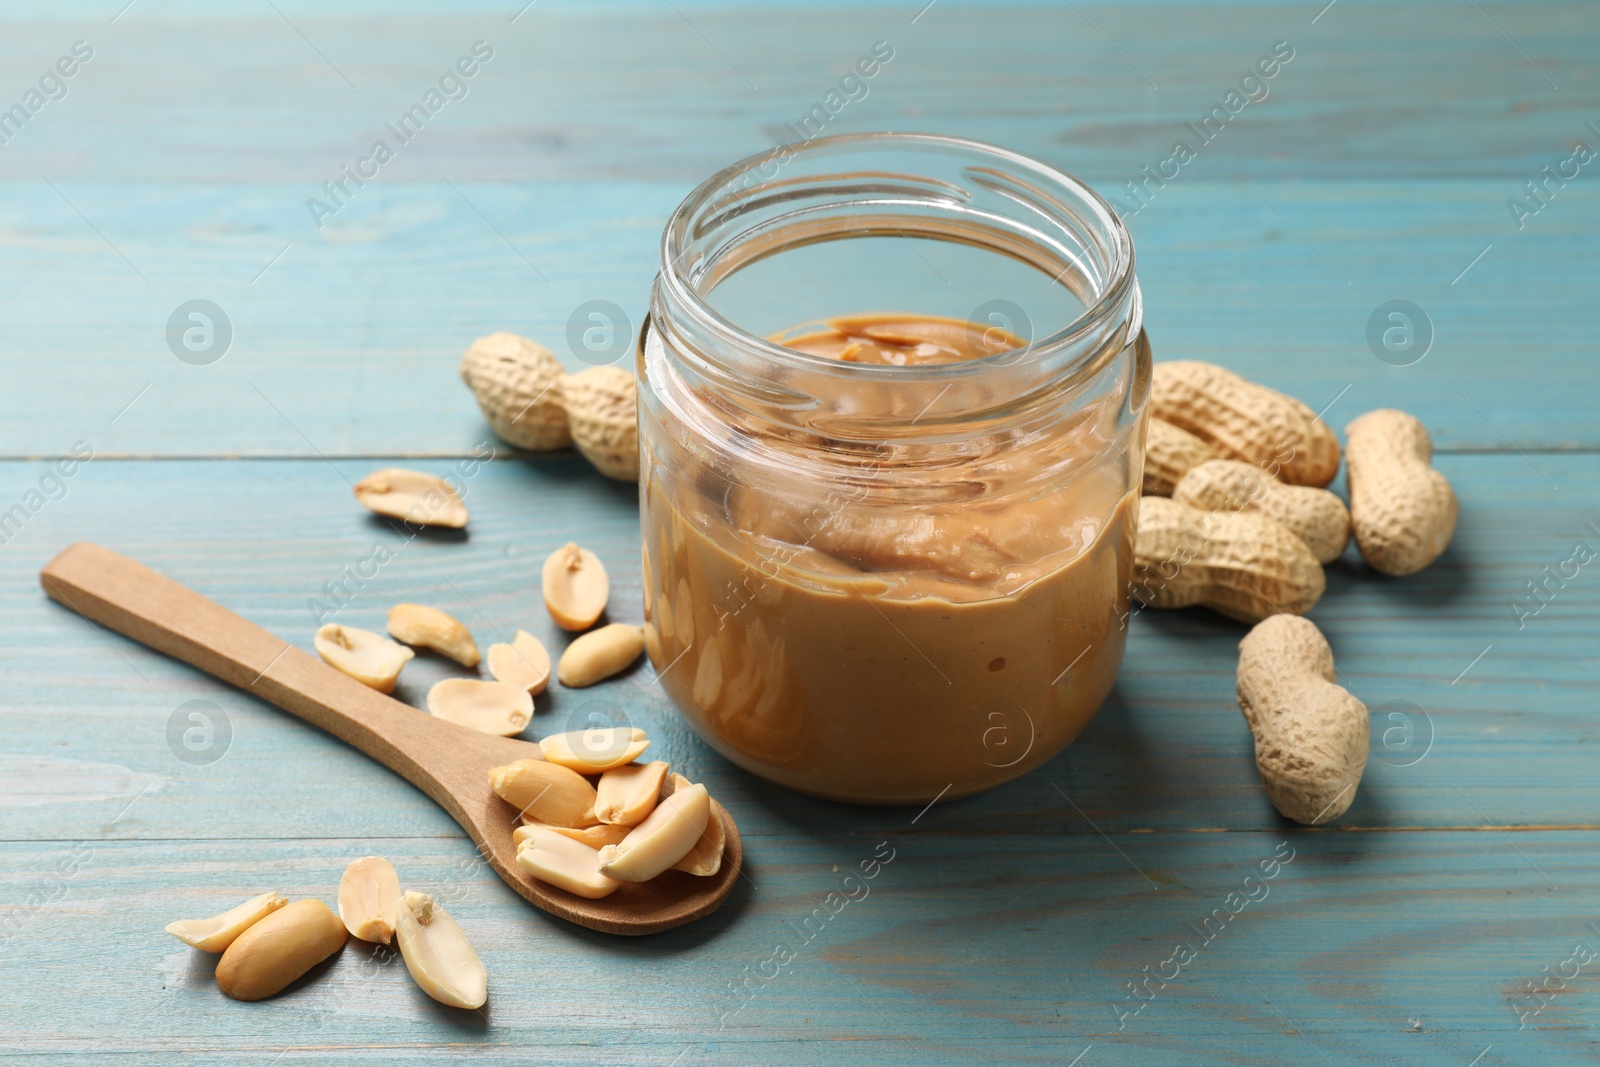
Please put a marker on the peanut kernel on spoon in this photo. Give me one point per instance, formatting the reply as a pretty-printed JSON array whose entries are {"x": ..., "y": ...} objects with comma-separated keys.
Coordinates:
[
  {"x": 423, "y": 627},
  {"x": 664, "y": 838},
  {"x": 369, "y": 899},
  {"x": 369, "y": 658},
  {"x": 220, "y": 931},
  {"x": 705, "y": 858},
  {"x": 596, "y": 837},
  {"x": 595, "y": 751},
  {"x": 597, "y": 655},
  {"x": 565, "y": 864},
  {"x": 576, "y": 587},
  {"x": 626, "y": 795},
  {"x": 441, "y": 960},
  {"x": 498, "y": 708},
  {"x": 415, "y": 496},
  {"x": 523, "y": 662},
  {"x": 545, "y": 791}
]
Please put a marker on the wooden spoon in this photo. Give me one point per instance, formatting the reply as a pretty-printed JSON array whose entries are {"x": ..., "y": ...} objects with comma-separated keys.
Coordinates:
[{"x": 450, "y": 763}]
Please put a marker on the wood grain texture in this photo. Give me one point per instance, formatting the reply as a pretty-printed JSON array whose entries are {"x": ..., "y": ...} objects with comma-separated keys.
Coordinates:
[
  {"x": 1014, "y": 948},
  {"x": 1007, "y": 927}
]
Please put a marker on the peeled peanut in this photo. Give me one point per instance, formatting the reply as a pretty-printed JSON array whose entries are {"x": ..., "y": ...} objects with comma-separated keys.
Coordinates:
[
  {"x": 565, "y": 864},
  {"x": 705, "y": 858},
  {"x": 1404, "y": 512},
  {"x": 423, "y": 627},
  {"x": 220, "y": 931},
  {"x": 415, "y": 496},
  {"x": 627, "y": 794},
  {"x": 598, "y": 655},
  {"x": 596, "y": 837},
  {"x": 369, "y": 658},
  {"x": 1168, "y": 453},
  {"x": 576, "y": 587},
  {"x": 664, "y": 838},
  {"x": 278, "y": 949},
  {"x": 518, "y": 387},
  {"x": 548, "y": 792},
  {"x": 523, "y": 662},
  {"x": 595, "y": 751},
  {"x": 1311, "y": 735},
  {"x": 441, "y": 960},
  {"x": 1316, "y": 516},
  {"x": 498, "y": 708},
  {"x": 1243, "y": 420},
  {"x": 603, "y": 411},
  {"x": 1240, "y": 564},
  {"x": 369, "y": 898}
]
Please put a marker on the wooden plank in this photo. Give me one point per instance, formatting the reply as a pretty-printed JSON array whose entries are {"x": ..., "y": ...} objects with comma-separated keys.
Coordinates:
[
  {"x": 347, "y": 345},
  {"x": 653, "y": 91},
  {"x": 1509, "y": 728},
  {"x": 1010, "y": 947}
]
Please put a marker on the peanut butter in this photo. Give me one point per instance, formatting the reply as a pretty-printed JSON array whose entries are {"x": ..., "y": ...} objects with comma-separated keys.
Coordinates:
[{"x": 891, "y": 653}]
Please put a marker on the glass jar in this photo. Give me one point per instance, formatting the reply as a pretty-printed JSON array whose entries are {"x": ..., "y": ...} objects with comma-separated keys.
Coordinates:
[{"x": 878, "y": 583}]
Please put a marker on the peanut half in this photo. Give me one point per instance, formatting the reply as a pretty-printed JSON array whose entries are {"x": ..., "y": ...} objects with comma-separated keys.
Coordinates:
[
  {"x": 1311, "y": 735},
  {"x": 369, "y": 898},
  {"x": 595, "y": 751},
  {"x": 1243, "y": 420},
  {"x": 1404, "y": 512},
  {"x": 441, "y": 960},
  {"x": 596, "y": 837},
  {"x": 1168, "y": 453},
  {"x": 220, "y": 931},
  {"x": 603, "y": 410},
  {"x": 415, "y": 496},
  {"x": 423, "y": 627},
  {"x": 545, "y": 791},
  {"x": 369, "y": 658},
  {"x": 1240, "y": 564},
  {"x": 523, "y": 662},
  {"x": 576, "y": 587},
  {"x": 626, "y": 795},
  {"x": 565, "y": 864},
  {"x": 705, "y": 858},
  {"x": 498, "y": 708},
  {"x": 278, "y": 949},
  {"x": 596, "y": 656},
  {"x": 1316, "y": 516},
  {"x": 518, "y": 387},
  {"x": 662, "y": 839}
]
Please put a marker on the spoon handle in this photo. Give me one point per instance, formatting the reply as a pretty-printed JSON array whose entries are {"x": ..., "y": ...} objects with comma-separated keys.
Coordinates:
[{"x": 442, "y": 759}]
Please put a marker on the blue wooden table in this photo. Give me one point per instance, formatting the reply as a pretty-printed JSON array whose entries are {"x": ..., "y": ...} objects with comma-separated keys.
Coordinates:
[{"x": 1452, "y": 917}]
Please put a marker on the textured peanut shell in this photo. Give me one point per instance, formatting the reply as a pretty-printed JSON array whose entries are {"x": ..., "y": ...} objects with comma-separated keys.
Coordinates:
[
  {"x": 1243, "y": 420},
  {"x": 1402, "y": 510},
  {"x": 603, "y": 410},
  {"x": 1239, "y": 564},
  {"x": 518, "y": 385},
  {"x": 1168, "y": 453},
  {"x": 1311, "y": 735},
  {"x": 1316, "y": 516}
]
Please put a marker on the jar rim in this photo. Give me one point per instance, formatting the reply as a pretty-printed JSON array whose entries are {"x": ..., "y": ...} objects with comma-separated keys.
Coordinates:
[{"x": 1110, "y": 297}]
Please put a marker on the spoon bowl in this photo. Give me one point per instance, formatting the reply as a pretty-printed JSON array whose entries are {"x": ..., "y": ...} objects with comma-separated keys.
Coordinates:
[{"x": 449, "y": 763}]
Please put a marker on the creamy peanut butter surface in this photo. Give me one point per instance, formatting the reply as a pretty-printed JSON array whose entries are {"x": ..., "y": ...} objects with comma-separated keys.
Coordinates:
[{"x": 885, "y": 652}]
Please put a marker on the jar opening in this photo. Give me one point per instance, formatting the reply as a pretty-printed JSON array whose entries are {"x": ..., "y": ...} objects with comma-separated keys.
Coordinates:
[{"x": 867, "y": 223}]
